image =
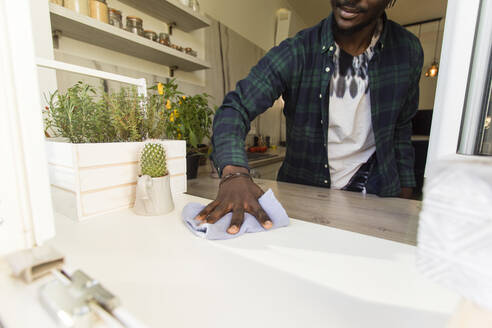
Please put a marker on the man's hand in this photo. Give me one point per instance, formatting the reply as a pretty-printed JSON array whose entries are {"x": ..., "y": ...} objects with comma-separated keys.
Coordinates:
[
  {"x": 237, "y": 195},
  {"x": 406, "y": 193}
]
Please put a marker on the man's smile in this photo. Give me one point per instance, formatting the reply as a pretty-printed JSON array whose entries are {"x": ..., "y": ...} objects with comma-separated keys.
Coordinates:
[{"x": 348, "y": 13}]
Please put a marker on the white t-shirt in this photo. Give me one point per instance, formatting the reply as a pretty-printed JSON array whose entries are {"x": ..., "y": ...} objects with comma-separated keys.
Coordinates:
[{"x": 350, "y": 136}]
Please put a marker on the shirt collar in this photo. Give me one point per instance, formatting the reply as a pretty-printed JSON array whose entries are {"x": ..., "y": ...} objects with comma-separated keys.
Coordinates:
[{"x": 328, "y": 40}]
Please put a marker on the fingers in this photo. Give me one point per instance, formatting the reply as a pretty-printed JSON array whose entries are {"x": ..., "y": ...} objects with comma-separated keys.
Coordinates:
[
  {"x": 207, "y": 210},
  {"x": 236, "y": 221},
  {"x": 263, "y": 218},
  {"x": 217, "y": 214}
]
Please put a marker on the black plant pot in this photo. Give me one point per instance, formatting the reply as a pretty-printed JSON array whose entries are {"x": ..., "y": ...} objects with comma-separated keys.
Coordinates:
[
  {"x": 192, "y": 164},
  {"x": 203, "y": 149}
]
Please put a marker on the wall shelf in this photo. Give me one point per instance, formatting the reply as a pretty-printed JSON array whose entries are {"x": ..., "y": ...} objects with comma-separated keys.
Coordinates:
[
  {"x": 170, "y": 11},
  {"x": 90, "y": 30}
]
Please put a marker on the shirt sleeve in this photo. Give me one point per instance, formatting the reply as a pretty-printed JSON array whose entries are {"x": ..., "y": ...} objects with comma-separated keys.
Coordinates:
[
  {"x": 405, "y": 154},
  {"x": 253, "y": 95}
]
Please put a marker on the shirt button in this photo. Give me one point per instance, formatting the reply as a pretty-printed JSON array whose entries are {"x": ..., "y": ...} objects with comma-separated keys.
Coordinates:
[
  {"x": 324, "y": 47},
  {"x": 321, "y": 121},
  {"x": 326, "y": 181},
  {"x": 320, "y": 96},
  {"x": 326, "y": 166},
  {"x": 331, "y": 48},
  {"x": 327, "y": 70}
]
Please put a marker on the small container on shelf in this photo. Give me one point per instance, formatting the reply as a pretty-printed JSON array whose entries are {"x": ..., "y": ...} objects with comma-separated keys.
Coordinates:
[
  {"x": 134, "y": 25},
  {"x": 175, "y": 46},
  {"x": 99, "y": 10},
  {"x": 191, "y": 52},
  {"x": 79, "y": 6},
  {"x": 165, "y": 39},
  {"x": 58, "y": 2},
  {"x": 151, "y": 35},
  {"x": 115, "y": 18},
  {"x": 195, "y": 6}
]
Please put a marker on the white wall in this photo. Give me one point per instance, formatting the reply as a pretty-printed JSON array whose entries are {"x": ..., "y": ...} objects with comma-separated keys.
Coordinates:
[
  {"x": 43, "y": 45},
  {"x": 253, "y": 19}
]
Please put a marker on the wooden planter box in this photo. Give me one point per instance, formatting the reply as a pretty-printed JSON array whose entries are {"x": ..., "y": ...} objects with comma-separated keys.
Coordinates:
[{"x": 92, "y": 179}]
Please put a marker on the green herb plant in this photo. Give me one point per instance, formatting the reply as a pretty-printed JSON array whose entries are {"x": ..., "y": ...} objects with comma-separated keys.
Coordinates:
[
  {"x": 127, "y": 114},
  {"x": 78, "y": 115},
  {"x": 83, "y": 116}
]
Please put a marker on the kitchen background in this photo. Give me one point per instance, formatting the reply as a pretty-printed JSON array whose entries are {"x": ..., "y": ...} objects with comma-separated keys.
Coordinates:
[{"x": 240, "y": 33}]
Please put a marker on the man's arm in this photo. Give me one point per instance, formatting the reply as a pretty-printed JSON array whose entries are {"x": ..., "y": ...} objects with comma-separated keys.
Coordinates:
[
  {"x": 405, "y": 155},
  {"x": 253, "y": 95}
]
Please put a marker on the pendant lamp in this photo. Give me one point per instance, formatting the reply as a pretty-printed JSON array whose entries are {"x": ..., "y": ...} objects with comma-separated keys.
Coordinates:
[{"x": 433, "y": 70}]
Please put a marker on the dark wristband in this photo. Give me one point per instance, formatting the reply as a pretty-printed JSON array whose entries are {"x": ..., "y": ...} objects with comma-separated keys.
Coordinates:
[{"x": 235, "y": 175}]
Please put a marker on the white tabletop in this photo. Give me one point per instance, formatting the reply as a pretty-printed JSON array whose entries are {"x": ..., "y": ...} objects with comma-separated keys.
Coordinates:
[{"x": 305, "y": 275}]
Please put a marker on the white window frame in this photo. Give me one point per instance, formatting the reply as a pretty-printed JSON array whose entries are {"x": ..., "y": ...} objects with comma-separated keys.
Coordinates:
[
  {"x": 26, "y": 209},
  {"x": 459, "y": 35}
]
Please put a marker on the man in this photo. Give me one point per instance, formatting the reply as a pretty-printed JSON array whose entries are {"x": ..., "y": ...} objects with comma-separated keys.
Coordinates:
[{"x": 351, "y": 88}]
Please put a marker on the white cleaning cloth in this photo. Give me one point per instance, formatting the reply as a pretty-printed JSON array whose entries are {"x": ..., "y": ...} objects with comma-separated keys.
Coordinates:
[{"x": 218, "y": 230}]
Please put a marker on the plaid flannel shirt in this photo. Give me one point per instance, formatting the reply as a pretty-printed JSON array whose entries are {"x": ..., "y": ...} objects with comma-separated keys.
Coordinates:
[{"x": 300, "y": 70}]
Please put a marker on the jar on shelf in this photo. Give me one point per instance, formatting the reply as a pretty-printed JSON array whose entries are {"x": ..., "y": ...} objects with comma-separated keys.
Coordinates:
[
  {"x": 151, "y": 35},
  {"x": 191, "y": 52},
  {"x": 58, "y": 2},
  {"x": 134, "y": 25},
  {"x": 179, "y": 48},
  {"x": 98, "y": 9},
  {"x": 79, "y": 6},
  {"x": 165, "y": 39},
  {"x": 195, "y": 6},
  {"x": 115, "y": 18}
]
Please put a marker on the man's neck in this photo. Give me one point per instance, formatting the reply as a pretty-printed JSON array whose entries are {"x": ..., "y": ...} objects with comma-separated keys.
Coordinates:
[{"x": 357, "y": 42}]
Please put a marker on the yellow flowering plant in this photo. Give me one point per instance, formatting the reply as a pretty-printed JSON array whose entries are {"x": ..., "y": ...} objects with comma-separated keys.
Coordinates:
[
  {"x": 188, "y": 117},
  {"x": 193, "y": 118}
]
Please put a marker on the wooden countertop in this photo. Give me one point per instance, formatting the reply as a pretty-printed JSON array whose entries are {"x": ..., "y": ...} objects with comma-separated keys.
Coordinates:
[{"x": 388, "y": 218}]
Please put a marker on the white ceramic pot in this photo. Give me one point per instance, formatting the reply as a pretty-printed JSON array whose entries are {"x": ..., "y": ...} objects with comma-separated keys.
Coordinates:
[{"x": 153, "y": 196}]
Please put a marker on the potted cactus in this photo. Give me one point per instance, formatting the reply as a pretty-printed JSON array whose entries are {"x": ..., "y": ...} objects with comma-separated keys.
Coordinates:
[{"x": 153, "y": 186}]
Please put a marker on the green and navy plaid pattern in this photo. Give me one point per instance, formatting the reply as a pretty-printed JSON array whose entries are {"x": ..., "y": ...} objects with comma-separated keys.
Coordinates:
[{"x": 300, "y": 70}]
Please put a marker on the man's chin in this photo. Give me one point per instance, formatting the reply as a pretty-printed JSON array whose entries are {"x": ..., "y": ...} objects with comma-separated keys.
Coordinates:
[{"x": 348, "y": 27}]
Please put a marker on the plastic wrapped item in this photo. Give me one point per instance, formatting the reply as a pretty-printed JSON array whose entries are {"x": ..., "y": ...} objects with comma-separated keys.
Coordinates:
[{"x": 455, "y": 230}]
